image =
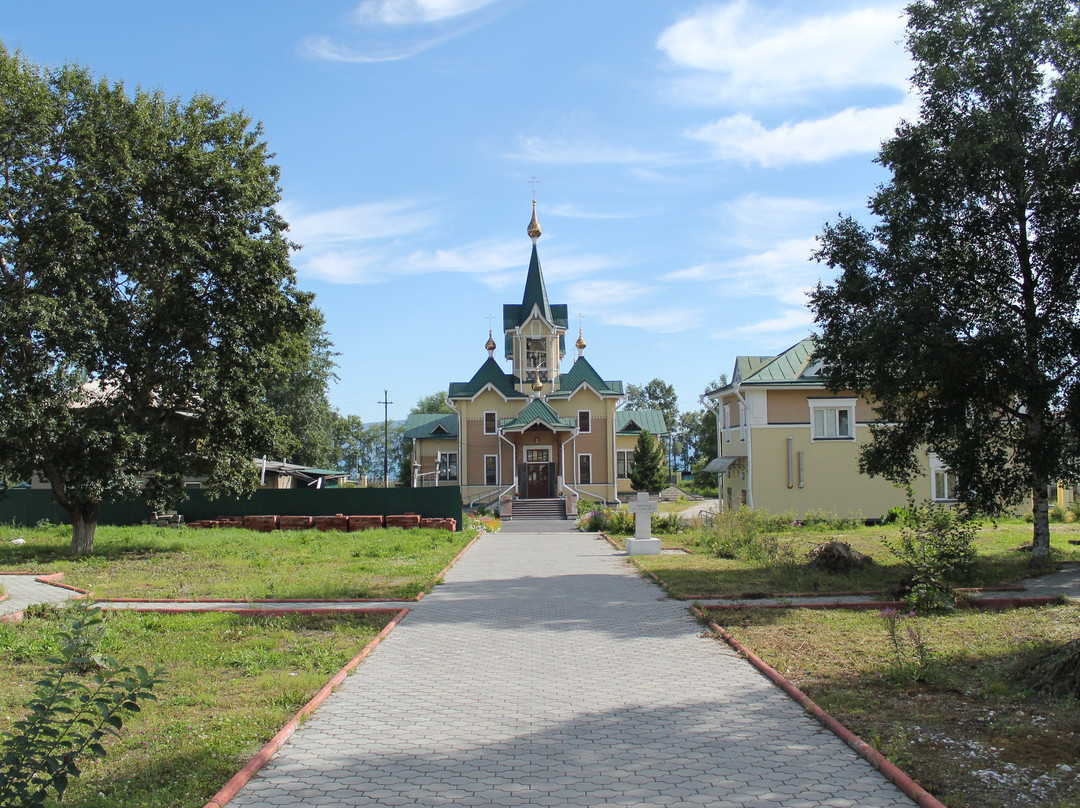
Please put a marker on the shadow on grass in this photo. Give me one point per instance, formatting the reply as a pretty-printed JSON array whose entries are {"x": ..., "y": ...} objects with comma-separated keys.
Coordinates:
[{"x": 37, "y": 554}]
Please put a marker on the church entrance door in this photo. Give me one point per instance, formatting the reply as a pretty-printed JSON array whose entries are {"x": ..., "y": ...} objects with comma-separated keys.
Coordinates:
[
  {"x": 538, "y": 485},
  {"x": 538, "y": 473}
]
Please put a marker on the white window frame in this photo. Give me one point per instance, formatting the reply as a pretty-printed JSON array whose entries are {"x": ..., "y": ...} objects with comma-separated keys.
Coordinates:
[
  {"x": 727, "y": 423},
  {"x": 742, "y": 421},
  {"x": 830, "y": 408},
  {"x": 444, "y": 466},
  {"x": 495, "y": 422},
  {"x": 588, "y": 421},
  {"x": 587, "y": 457},
  {"x": 626, "y": 458},
  {"x": 947, "y": 478},
  {"x": 496, "y": 459}
]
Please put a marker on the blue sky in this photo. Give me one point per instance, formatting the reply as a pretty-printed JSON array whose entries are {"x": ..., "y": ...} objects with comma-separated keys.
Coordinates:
[{"x": 687, "y": 153}]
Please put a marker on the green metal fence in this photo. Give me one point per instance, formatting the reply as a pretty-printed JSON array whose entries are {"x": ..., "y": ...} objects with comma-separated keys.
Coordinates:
[{"x": 26, "y": 507}]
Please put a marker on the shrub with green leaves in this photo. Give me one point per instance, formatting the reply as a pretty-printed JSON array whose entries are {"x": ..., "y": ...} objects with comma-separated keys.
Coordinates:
[
  {"x": 937, "y": 544},
  {"x": 81, "y": 699}
]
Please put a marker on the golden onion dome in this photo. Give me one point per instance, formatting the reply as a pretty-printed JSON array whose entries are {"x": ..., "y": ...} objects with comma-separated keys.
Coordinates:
[
  {"x": 537, "y": 385},
  {"x": 580, "y": 344},
  {"x": 490, "y": 344},
  {"x": 534, "y": 225}
]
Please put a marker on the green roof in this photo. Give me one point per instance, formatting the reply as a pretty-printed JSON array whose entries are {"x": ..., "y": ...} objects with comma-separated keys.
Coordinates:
[
  {"x": 583, "y": 373},
  {"x": 535, "y": 297},
  {"x": 431, "y": 425},
  {"x": 794, "y": 366},
  {"x": 489, "y": 373},
  {"x": 538, "y": 410},
  {"x": 631, "y": 422}
]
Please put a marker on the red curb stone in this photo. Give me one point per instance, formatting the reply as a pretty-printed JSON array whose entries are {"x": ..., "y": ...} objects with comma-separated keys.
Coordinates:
[
  {"x": 241, "y": 778},
  {"x": 365, "y": 522},
  {"x": 259, "y": 600},
  {"x": 922, "y": 797},
  {"x": 296, "y": 522}
]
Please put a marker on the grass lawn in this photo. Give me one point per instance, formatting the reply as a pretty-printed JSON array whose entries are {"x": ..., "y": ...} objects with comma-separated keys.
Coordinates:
[
  {"x": 232, "y": 563},
  {"x": 972, "y": 734},
  {"x": 703, "y": 574},
  {"x": 232, "y": 683}
]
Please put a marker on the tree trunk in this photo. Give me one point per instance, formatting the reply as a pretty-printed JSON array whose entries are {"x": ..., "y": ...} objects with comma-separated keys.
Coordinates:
[
  {"x": 84, "y": 517},
  {"x": 1040, "y": 538}
]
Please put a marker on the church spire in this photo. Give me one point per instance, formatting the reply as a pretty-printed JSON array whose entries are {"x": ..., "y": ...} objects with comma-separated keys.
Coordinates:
[{"x": 535, "y": 290}]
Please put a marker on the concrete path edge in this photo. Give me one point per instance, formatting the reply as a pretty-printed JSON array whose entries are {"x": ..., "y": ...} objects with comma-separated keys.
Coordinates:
[
  {"x": 901, "y": 780},
  {"x": 241, "y": 778}
]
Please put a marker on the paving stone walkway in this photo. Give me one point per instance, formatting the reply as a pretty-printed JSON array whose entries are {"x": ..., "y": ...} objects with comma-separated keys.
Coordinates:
[
  {"x": 546, "y": 672},
  {"x": 24, "y": 590}
]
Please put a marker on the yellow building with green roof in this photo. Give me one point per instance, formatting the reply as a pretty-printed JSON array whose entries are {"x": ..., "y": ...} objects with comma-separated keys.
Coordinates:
[{"x": 532, "y": 438}]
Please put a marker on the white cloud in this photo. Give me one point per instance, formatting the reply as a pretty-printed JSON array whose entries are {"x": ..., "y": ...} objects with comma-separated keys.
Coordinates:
[
  {"x": 672, "y": 321},
  {"x": 372, "y": 220},
  {"x": 784, "y": 272},
  {"x": 755, "y": 220},
  {"x": 571, "y": 211},
  {"x": 801, "y": 320},
  {"x": 556, "y": 150},
  {"x": 851, "y": 131},
  {"x": 595, "y": 295},
  {"x": 749, "y": 53},
  {"x": 324, "y": 48},
  {"x": 411, "y": 12}
]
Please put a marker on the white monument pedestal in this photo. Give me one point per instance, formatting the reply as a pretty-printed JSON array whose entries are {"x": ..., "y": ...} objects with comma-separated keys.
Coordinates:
[{"x": 643, "y": 543}]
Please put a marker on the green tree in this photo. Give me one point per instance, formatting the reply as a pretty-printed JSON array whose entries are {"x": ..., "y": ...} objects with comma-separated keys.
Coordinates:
[
  {"x": 148, "y": 295},
  {"x": 649, "y": 472},
  {"x": 433, "y": 404},
  {"x": 958, "y": 313},
  {"x": 298, "y": 392},
  {"x": 656, "y": 395}
]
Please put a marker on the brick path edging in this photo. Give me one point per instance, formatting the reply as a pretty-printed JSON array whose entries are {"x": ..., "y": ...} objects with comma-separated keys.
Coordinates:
[
  {"x": 920, "y": 795},
  {"x": 241, "y": 778}
]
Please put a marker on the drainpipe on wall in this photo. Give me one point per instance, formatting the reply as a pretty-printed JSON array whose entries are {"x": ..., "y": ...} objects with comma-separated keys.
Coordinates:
[
  {"x": 713, "y": 406},
  {"x": 749, "y": 451},
  {"x": 513, "y": 447}
]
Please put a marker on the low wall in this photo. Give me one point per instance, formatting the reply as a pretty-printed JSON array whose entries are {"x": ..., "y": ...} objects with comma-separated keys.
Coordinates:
[{"x": 27, "y": 507}]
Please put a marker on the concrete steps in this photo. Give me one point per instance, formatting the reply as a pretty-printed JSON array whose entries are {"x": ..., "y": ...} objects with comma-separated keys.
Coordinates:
[{"x": 538, "y": 509}]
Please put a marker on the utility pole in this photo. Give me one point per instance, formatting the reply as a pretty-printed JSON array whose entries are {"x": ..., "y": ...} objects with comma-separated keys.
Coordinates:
[{"x": 386, "y": 402}]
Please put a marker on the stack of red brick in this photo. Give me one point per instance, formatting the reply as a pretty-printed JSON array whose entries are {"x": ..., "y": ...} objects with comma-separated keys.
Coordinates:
[{"x": 336, "y": 522}]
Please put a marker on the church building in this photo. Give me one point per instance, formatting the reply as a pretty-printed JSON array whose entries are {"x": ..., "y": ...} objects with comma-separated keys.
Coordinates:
[{"x": 534, "y": 439}]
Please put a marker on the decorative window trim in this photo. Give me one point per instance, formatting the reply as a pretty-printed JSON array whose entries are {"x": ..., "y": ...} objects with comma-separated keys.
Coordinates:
[
  {"x": 624, "y": 463},
  {"x": 584, "y": 417},
  {"x": 742, "y": 421},
  {"x": 837, "y": 418},
  {"x": 488, "y": 469},
  {"x": 493, "y": 417},
  {"x": 727, "y": 423},
  {"x": 584, "y": 469}
]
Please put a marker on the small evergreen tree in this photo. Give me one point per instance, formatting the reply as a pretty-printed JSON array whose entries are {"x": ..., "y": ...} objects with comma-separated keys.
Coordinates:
[{"x": 649, "y": 472}]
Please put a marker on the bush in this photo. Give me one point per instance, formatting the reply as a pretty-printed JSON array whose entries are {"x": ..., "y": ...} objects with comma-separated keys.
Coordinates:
[
  {"x": 1057, "y": 514},
  {"x": 68, "y": 718},
  {"x": 937, "y": 545},
  {"x": 668, "y": 523},
  {"x": 750, "y": 535}
]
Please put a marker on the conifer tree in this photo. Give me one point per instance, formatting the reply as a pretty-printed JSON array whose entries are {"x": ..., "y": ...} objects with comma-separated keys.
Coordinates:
[{"x": 649, "y": 472}]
